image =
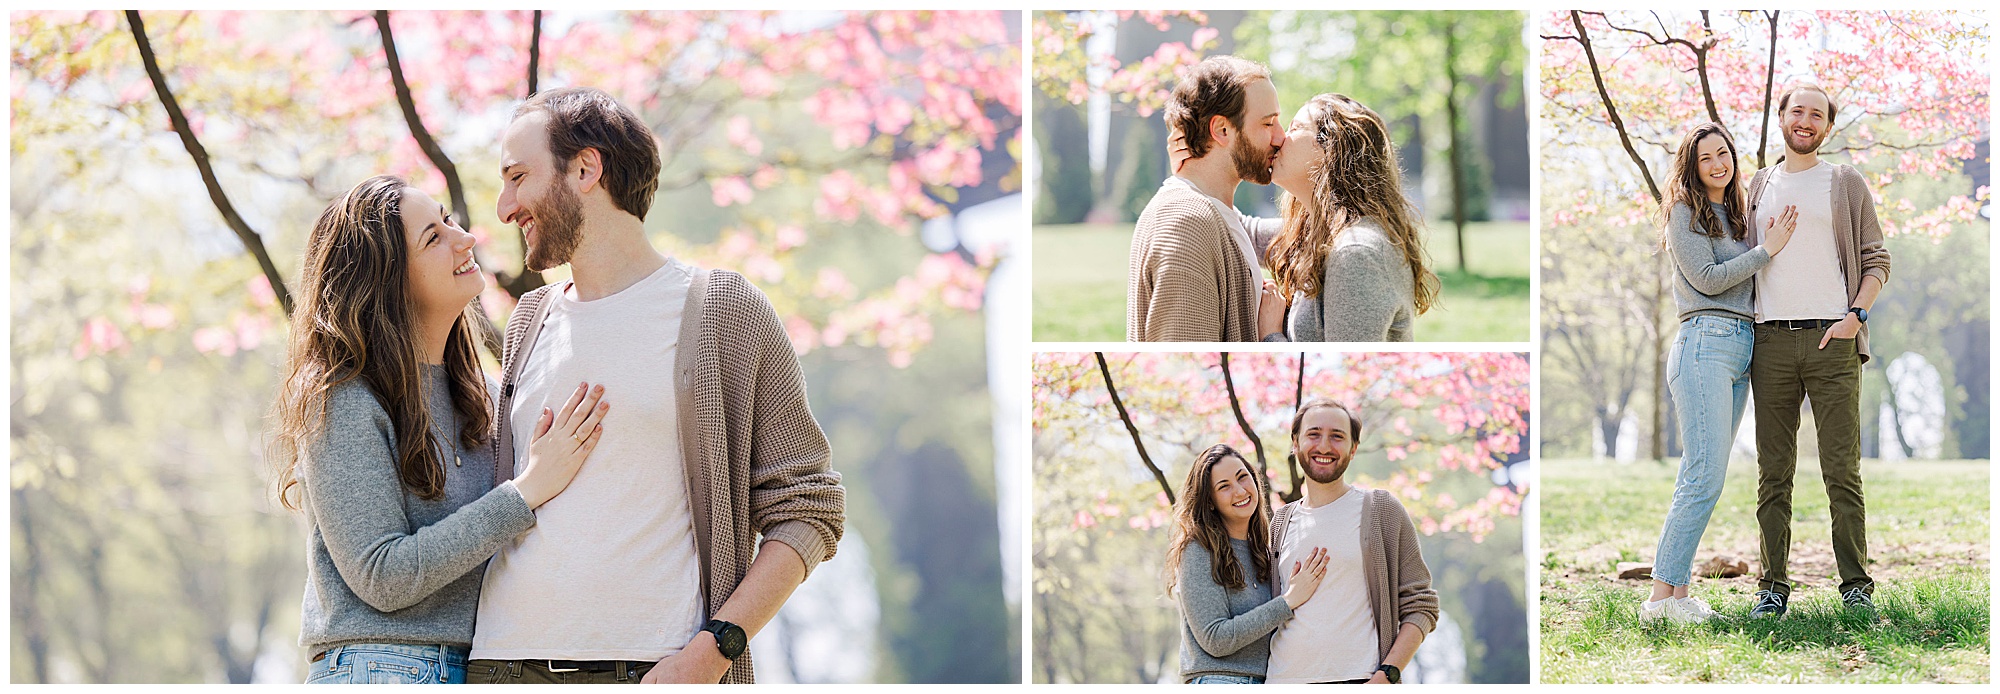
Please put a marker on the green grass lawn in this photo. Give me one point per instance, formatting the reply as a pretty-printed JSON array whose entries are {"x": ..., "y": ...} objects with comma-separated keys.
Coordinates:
[
  {"x": 1928, "y": 546},
  {"x": 1080, "y": 283}
]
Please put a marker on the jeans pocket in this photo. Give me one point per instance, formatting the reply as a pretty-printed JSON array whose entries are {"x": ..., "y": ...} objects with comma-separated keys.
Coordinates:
[
  {"x": 324, "y": 675},
  {"x": 374, "y": 667}
]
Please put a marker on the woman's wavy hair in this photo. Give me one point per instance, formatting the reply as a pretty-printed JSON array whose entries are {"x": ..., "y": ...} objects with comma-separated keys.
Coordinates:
[
  {"x": 355, "y": 320},
  {"x": 1685, "y": 187},
  {"x": 1198, "y": 520},
  {"x": 1355, "y": 177}
]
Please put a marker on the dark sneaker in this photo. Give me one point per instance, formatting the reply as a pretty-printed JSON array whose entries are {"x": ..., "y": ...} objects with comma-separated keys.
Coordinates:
[
  {"x": 1858, "y": 599},
  {"x": 1770, "y": 604}
]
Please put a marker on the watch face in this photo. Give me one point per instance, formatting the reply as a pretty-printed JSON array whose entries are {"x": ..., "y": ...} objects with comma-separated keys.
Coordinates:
[{"x": 730, "y": 640}]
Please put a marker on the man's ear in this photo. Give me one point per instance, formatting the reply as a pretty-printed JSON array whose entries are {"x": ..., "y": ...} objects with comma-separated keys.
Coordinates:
[
  {"x": 1219, "y": 131},
  {"x": 589, "y": 167}
]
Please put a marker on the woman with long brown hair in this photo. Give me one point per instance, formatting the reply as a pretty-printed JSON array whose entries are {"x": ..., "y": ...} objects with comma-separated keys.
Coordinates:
[
  {"x": 1708, "y": 371},
  {"x": 1350, "y": 254},
  {"x": 382, "y": 439},
  {"x": 1219, "y": 569}
]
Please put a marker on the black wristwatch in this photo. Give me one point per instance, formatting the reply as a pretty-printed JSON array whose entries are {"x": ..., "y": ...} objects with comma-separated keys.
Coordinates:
[
  {"x": 1395, "y": 674},
  {"x": 1859, "y": 312},
  {"x": 729, "y": 638}
]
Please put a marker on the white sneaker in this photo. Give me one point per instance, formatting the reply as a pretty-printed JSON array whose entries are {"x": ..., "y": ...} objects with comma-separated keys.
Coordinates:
[
  {"x": 1669, "y": 609},
  {"x": 1700, "y": 607}
]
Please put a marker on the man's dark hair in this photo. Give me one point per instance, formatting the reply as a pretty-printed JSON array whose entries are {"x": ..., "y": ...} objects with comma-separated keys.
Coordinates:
[
  {"x": 1785, "y": 102},
  {"x": 1353, "y": 422},
  {"x": 1213, "y": 87},
  {"x": 584, "y": 118}
]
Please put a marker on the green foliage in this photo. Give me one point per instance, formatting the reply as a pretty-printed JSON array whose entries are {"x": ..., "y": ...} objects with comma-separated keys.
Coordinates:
[{"x": 1928, "y": 532}]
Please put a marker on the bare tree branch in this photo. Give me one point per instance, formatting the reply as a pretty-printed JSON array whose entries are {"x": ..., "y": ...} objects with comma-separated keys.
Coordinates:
[
  {"x": 252, "y": 242},
  {"x": 488, "y": 334},
  {"x": 1133, "y": 429},
  {"x": 1770, "y": 76},
  {"x": 535, "y": 55},
  {"x": 1236, "y": 406},
  {"x": 1597, "y": 76}
]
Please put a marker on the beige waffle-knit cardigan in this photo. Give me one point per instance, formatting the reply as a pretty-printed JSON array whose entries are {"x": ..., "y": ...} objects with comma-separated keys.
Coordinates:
[
  {"x": 1188, "y": 281},
  {"x": 1399, "y": 583},
  {"x": 756, "y": 459}
]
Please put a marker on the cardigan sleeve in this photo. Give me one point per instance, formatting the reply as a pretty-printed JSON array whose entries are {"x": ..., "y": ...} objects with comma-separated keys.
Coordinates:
[
  {"x": 795, "y": 496},
  {"x": 1186, "y": 301},
  {"x": 1371, "y": 291},
  {"x": 1868, "y": 228},
  {"x": 1416, "y": 601}
]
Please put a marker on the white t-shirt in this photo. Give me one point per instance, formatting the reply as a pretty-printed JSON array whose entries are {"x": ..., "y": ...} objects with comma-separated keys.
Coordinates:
[
  {"x": 609, "y": 572},
  {"x": 1804, "y": 281},
  {"x": 1332, "y": 637}
]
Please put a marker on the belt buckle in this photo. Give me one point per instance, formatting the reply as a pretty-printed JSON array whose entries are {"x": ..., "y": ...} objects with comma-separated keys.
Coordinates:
[{"x": 551, "y": 665}]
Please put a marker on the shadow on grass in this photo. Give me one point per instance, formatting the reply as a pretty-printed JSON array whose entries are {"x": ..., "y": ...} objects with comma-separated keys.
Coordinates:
[
  {"x": 1454, "y": 282},
  {"x": 1939, "y": 613}
]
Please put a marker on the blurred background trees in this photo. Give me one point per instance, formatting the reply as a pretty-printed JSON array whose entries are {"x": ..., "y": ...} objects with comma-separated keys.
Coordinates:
[
  {"x": 1912, "y": 96},
  {"x": 862, "y": 168},
  {"x": 1446, "y": 433}
]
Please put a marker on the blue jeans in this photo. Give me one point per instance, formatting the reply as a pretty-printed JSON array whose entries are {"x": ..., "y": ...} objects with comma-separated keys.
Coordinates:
[
  {"x": 390, "y": 663},
  {"x": 1226, "y": 679},
  {"x": 1708, "y": 373}
]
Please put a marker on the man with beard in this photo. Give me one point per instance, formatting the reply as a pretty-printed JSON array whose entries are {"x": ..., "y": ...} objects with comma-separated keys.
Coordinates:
[
  {"x": 1193, "y": 269},
  {"x": 1812, "y": 338},
  {"x": 647, "y": 567},
  {"x": 1375, "y": 603}
]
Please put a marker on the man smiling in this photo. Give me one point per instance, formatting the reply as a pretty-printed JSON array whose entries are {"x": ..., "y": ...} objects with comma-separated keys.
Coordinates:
[
  {"x": 1375, "y": 604},
  {"x": 1811, "y": 340},
  {"x": 650, "y": 567}
]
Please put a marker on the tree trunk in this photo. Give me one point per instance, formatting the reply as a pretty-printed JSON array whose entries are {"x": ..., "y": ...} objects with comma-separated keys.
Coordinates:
[
  {"x": 1455, "y": 144},
  {"x": 1770, "y": 74},
  {"x": 1133, "y": 429},
  {"x": 1236, "y": 406},
  {"x": 252, "y": 241}
]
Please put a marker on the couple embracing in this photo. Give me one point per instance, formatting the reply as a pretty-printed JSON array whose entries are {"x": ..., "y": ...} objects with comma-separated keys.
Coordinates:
[
  {"x": 1773, "y": 284},
  {"x": 1347, "y": 259},
  {"x": 1332, "y": 588},
  {"x": 586, "y": 543}
]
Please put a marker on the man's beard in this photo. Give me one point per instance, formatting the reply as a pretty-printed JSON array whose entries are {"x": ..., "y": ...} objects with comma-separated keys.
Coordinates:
[
  {"x": 1809, "y": 147},
  {"x": 1253, "y": 163},
  {"x": 558, "y": 223},
  {"x": 1314, "y": 473}
]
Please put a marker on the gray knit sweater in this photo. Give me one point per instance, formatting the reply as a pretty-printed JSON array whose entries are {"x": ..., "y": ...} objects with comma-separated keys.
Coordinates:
[
  {"x": 1712, "y": 274},
  {"x": 1366, "y": 293},
  {"x": 1225, "y": 632},
  {"x": 384, "y": 566}
]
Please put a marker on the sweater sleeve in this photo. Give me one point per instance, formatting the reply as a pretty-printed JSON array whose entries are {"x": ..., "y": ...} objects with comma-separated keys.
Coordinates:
[
  {"x": 1416, "y": 601},
  {"x": 1186, "y": 302},
  {"x": 1205, "y": 606},
  {"x": 1694, "y": 256},
  {"x": 1868, "y": 228},
  {"x": 1262, "y": 231},
  {"x": 1370, "y": 290},
  {"x": 795, "y": 496},
  {"x": 354, "y": 496}
]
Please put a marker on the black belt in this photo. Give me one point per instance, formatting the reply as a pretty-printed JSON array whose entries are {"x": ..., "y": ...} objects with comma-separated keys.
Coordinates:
[
  {"x": 1815, "y": 324},
  {"x": 590, "y": 665}
]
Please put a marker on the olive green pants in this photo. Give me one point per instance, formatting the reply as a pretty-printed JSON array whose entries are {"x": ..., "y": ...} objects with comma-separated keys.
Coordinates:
[
  {"x": 538, "y": 672},
  {"x": 1787, "y": 367}
]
